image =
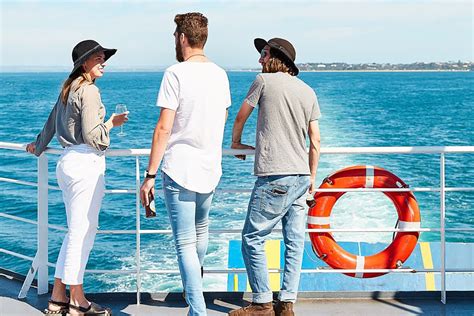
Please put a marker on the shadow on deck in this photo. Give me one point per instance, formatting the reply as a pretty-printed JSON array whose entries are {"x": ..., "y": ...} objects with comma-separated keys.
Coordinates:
[{"x": 220, "y": 303}]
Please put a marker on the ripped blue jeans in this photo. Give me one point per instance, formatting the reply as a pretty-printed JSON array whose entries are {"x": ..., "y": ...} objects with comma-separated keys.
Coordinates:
[{"x": 274, "y": 199}]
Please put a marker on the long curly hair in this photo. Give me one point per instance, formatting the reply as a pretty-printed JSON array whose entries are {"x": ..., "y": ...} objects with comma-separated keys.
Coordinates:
[{"x": 278, "y": 62}]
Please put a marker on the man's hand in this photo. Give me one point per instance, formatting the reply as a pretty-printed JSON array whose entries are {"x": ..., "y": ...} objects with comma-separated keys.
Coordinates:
[
  {"x": 148, "y": 186},
  {"x": 240, "y": 146},
  {"x": 31, "y": 147}
]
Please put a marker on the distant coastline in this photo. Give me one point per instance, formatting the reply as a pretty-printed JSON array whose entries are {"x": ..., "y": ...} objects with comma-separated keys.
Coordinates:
[
  {"x": 417, "y": 66},
  {"x": 459, "y": 66},
  {"x": 381, "y": 70}
]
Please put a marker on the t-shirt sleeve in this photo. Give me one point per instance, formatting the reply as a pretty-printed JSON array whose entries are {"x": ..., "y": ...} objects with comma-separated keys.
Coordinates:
[
  {"x": 255, "y": 91},
  {"x": 168, "y": 97},
  {"x": 315, "y": 111},
  {"x": 228, "y": 99}
]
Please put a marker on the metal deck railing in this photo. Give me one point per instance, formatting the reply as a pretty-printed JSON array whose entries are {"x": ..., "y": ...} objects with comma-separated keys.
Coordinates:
[{"x": 40, "y": 262}]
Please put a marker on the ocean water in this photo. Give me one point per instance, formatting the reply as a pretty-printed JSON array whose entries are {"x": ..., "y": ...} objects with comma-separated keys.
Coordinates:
[{"x": 358, "y": 109}]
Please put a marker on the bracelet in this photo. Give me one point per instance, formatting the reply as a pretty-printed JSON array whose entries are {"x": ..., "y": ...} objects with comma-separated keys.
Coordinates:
[
  {"x": 149, "y": 176},
  {"x": 238, "y": 142}
]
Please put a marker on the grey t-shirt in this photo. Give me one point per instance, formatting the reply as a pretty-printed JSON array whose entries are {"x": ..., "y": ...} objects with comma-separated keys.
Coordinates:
[
  {"x": 81, "y": 121},
  {"x": 286, "y": 105}
]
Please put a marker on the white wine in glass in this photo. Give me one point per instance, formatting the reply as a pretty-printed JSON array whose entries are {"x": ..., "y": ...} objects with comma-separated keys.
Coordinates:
[{"x": 119, "y": 109}]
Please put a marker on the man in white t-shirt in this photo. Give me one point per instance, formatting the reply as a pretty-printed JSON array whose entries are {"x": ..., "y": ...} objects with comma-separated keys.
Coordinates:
[{"x": 194, "y": 97}]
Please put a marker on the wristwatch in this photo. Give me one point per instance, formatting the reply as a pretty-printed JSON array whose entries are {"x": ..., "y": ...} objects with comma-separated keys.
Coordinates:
[{"x": 149, "y": 176}]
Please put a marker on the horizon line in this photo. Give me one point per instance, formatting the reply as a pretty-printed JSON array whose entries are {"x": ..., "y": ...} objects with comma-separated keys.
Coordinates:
[{"x": 151, "y": 68}]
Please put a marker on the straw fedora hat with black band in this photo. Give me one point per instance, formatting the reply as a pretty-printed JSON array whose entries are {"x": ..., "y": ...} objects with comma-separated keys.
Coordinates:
[
  {"x": 281, "y": 45},
  {"x": 84, "y": 50}
]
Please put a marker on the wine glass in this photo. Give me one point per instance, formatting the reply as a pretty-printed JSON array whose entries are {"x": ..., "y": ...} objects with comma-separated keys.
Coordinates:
[{"x": 119, "y": 109}]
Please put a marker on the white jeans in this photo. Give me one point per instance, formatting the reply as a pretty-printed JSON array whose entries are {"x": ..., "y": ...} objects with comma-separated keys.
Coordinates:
[{"x": 80, "y": 173}]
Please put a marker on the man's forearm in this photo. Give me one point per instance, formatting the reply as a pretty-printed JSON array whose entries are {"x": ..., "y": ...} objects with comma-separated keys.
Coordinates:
[
  {"x": 158, "y": 147},
  {"x": 237, "y": 131},
  {"x": 314, "y": 160}
]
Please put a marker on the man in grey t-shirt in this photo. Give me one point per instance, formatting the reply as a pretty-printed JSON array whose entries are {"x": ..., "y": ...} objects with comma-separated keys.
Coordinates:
[{"x": 288, "y": 112}]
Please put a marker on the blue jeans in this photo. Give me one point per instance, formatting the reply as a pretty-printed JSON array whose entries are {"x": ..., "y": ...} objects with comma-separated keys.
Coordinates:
[
  {"x": 189, "y": 212},
  {"x": 275, "y": 198}
]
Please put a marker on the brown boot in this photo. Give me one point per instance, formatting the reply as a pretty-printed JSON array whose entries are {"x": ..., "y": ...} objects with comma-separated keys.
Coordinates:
[
  {"x": 283, "y": 309},
  {"x": 254, "y": 309}
]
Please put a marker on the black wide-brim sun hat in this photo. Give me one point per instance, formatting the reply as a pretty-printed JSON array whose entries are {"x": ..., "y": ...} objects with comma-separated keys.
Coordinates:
[
  {"x": 83, "y": 50},
  {"x": 282, "y": 45}
]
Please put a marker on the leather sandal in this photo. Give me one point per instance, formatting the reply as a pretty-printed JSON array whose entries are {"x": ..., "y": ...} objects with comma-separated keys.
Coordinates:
[
  {"x": 63, "y": 308},
  {"x": 93, "y": 309}
]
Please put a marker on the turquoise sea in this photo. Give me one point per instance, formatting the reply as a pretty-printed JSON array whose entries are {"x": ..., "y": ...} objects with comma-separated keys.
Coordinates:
[{"x": 359, "y": 109}]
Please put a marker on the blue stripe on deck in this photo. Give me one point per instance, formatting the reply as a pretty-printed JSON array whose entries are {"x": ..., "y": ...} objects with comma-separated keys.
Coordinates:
[{"x": 459, "y": 255}]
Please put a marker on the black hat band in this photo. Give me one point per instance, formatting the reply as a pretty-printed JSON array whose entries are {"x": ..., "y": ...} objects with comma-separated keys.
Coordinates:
[
  {"x": 282, "y": 49},
  {"x": 79, "y": 59}
]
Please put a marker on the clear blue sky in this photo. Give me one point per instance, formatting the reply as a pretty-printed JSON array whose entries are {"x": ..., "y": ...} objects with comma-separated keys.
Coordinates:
[{"x": 42, "y": 33}]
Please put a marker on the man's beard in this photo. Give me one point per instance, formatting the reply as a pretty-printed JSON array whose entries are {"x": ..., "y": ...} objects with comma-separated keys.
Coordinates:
[{"x": 179, "y": 52}]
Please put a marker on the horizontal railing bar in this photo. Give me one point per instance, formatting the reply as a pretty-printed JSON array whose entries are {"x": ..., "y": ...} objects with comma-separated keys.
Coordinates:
[
  {"x": 279, "y": 230},
  {"x": 120, "y": 191},
  {"x": 238, "y": 231},
  {"x": 322, "y": 270},
  {"x": 27, "y": 183},
  {"x": 112, "y": 271},
  {"x": 326, "y": 270},
  {"x": 15, "y": 254},
  {"x": 242, "y": 270},
  {"x": 20, "y": 219},
  {"x": 117, "y": 232},
  {"x": 398, "y": 150},
  {"x": 325, "y": 150},
  {"x": 29, "y": 221},
  {"x": 380, "y": 190},
  {"x": 459, "y": 189},
  {"x": 132, "y": 191},
  {"x": 459, "y": 229},
  {"x": 53, "y": 187},
  {"x": 33, "y": 184},
  {"x": 64, "y": 229},
  {"x": 369, "y": 230}
]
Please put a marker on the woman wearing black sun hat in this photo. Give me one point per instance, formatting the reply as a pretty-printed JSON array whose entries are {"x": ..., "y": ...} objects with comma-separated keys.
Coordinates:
[{"x": 77, "y": 119}]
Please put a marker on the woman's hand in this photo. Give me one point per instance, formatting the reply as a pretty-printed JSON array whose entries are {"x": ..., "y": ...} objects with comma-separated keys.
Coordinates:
[
  {"x": 118, "y": 119},
  {"x": 31, "y": 147},
  {"x": 148, "y": 186},
  {"x": 240, "y": 146}
]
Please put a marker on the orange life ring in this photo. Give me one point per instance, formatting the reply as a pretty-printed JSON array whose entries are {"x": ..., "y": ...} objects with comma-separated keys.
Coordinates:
[{"x": 402, "y": 245}]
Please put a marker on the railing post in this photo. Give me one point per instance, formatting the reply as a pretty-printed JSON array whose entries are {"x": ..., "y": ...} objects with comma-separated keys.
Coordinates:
[
  {"x": 137, "y": 214},
  {"x": 443, "y": 222},
  {"x": 42, "y": 252}
]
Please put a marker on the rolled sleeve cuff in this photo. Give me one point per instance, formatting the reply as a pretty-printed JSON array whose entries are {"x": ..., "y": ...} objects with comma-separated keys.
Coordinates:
[{"x": 252, "y": 104}]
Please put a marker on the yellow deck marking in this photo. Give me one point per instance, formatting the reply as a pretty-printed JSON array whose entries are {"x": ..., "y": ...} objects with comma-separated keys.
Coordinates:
[
  {"x": 272, "y": 250},
  {"x": 428, "y": 264},
  {"x": 236, "y": 282}
]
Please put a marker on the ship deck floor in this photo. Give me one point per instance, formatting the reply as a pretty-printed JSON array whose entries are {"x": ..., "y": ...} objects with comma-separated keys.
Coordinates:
[{"x": 310, "y": 303}]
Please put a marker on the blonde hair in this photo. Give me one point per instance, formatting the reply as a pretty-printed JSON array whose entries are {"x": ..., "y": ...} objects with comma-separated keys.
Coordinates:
[
  {"x": 277, "y": 63},
  {"x": 85, "y": 78}
]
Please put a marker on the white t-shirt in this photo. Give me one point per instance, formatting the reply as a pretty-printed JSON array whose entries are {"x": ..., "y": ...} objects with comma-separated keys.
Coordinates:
[{"x": 199, "y": 93}]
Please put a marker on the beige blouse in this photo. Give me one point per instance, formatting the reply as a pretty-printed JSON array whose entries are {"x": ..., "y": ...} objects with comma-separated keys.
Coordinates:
[{"x": 81, "y": 121}]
